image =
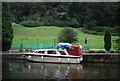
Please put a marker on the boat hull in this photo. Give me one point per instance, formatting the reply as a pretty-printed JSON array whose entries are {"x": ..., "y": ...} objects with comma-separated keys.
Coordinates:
[{"x": 54, "y": 59}]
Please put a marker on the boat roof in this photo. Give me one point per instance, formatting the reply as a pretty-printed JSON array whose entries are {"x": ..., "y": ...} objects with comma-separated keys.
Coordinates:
[{"x": 48, "y": 49}]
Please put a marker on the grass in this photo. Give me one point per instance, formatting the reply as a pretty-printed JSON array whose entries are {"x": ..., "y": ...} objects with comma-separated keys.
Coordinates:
[{"x": 47, "y": 34}]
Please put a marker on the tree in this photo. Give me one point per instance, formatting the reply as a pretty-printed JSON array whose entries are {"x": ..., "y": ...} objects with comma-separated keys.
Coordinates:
[
  {"x": 69, "y": 14},
  {"x": 107, "y": 41},
  {"x": 67, "y": 35},
  {"x": 7, "y": 30},
  {"x": 89, "y": 21}
]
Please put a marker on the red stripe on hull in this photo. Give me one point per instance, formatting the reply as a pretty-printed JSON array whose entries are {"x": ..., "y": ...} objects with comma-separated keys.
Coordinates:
[{"x": 53, "y": 62}]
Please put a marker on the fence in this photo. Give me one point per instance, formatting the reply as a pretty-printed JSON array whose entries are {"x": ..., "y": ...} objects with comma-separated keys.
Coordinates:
[
  {"x": 39, "y": 46},
  {"x": 32, "y": 46}
]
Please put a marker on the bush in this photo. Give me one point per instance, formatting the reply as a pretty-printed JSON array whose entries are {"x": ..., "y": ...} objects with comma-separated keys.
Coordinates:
[
  {"x": 117, "y": 51},
  {"x": 31, "y": 23},
  {"x": 91, "y": 51},
  {"x": 100, "y": 51},
  {"x": 107, "y": 40},
  {"x": 93, "y": 32},
  {"x": 112, "y": 51},
  {"x": 115, "y": 31},
  {"x": 117, "y": 43}
]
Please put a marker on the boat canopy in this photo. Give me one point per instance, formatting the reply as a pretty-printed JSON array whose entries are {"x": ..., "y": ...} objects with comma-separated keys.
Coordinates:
[
  {"x": 75, "y": 52},
  {"x": 60, "y": 45}
]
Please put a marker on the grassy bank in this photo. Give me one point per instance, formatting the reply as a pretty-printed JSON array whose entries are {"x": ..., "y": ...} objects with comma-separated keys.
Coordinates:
[{"x": 47, "y": 34}]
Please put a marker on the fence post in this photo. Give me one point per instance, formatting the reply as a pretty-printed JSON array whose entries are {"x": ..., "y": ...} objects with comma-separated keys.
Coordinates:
[
  {"x": 54, "y": 42},
  {"x": 37, "y": 43},
  {"x": 21, "y": 45},
  {"x": 88, "y": 41},
  {"x": 41, "y": 45},
  {"x": 10, "y": 51}
]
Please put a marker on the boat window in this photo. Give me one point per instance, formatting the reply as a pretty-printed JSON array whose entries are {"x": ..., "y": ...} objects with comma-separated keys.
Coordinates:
[
  {"x": 35, "y": 51},
  {"x": 41, "y": 52},
  {"x": 51, "y": 52},
  {"x": 62, "y": 53}
]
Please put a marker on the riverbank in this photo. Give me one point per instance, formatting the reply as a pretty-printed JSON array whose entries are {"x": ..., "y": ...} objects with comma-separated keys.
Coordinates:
[{"x": 87, "y": 57}]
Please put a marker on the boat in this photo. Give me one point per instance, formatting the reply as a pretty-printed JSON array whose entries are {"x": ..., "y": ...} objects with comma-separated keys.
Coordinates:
[{"x": 63, "y": 53}]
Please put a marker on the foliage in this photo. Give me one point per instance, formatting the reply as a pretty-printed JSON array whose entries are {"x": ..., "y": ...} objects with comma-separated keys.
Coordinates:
[
  {"x": 117, "y": 51},
  {"x": 64, "y": 14},
  {"x": 112, "y": 30},
  {"x": 100, "y": 51},
  {"x": 117, "y": 43},
  {"x": 100, "y": 30},
  {"x": 91, "y": 32},
  {"x": 31, "y": 23},
  {"x": 112, "y": 51},
  {"x": 89, "y": 21},
  {"x": 67, "y": 35},
  {"x": 91, "y": 51},
  {"x": 107, "y": 41},
  {"x": 7, "y": 30}
]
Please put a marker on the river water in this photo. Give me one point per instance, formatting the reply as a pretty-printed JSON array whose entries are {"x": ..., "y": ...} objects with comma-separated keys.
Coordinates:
[{"x": 22, "y": 69}]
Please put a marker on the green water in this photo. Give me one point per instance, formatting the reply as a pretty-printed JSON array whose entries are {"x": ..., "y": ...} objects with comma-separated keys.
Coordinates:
[{"x": 21, "y": 69}]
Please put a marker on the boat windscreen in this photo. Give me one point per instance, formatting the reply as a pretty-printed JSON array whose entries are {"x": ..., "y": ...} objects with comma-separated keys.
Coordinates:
[{"x": 62, "y": 53}]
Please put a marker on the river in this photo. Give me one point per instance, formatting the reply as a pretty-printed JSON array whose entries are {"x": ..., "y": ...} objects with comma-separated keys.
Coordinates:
[{"x": 22, "y": 69}]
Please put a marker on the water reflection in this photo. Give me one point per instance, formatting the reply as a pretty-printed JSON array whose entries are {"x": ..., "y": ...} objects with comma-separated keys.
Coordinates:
[
  {"x": 20, "y": 69},
  {"x": 54, "y": 71}
]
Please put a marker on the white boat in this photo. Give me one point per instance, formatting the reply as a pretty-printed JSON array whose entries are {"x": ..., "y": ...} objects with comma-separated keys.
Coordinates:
[{"x": 66, "y": 55}]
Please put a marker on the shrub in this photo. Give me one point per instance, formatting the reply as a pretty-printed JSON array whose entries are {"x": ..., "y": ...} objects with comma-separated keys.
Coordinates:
[
  {"x": 107, "y": 41},
  {"x": 112, "y": 51},
  {"x": 91, "y": 51},
  {"x": 100, "y": 51},
  {"x": 93, "y": 32},
  {"x": 115, "y": 31},
  {"x": 117, "y": 51},
  {"x": 100, "y": 29},
  {"x": 31, "y": 23}
]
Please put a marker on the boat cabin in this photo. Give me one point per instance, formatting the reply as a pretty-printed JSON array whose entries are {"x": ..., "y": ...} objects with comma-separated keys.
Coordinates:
[
  {"x": 74, "y": 52},
  {"x": 51, "y": 51}
]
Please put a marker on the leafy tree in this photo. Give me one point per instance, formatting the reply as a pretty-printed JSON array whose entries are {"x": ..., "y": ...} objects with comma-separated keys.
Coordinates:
[
  {"x": 67, "y": 35},
  {"x": 89, "y": 21},
  {"x": 7, "y": 30},
  {"x": 69, "y": 14},
  {"x": 107, "y": 41}
]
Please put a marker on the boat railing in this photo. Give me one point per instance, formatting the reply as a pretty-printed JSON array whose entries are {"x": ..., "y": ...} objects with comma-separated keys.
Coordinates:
[{"x": 26, "y": 50}]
